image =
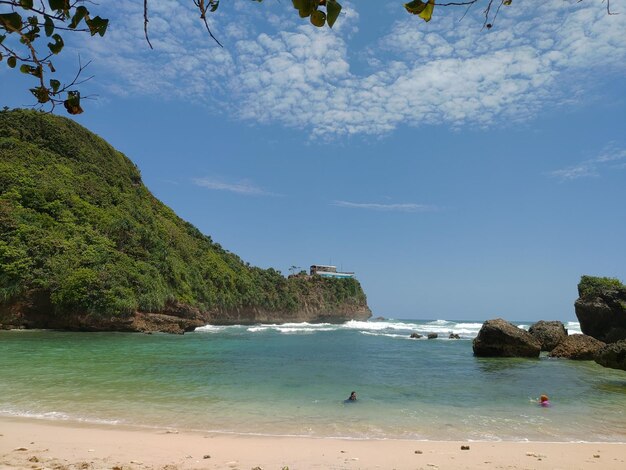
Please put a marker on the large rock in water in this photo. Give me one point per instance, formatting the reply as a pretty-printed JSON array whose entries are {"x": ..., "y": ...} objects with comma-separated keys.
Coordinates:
[
  {"x": 549, "y": 333},
  {"x": 612, "y": 355},
  {"x": 499, "y": 338},
  {"x": 601, "y": 308},
  {"x": 580, "y": 347}
]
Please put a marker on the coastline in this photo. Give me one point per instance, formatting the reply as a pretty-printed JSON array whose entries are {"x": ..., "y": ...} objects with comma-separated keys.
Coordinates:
[{"x": 68, "y": 445}]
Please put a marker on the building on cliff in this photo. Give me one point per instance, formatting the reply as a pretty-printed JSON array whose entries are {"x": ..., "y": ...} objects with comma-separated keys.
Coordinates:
[{"x": 329, "y": 271}]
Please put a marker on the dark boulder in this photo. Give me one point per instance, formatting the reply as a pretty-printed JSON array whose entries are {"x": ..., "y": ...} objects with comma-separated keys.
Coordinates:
[
  {"x": 454, "y": 336},
  {"x": 579, "y": 347},
  {"x": 433, "y": 335},
  {"x": 416, "y": 335},
  {"x": 601, "y": 308},
  {"x": 499, "y": 338},
  {"x": 612, "y": 355},
  {"x": 549, "y": 333}
]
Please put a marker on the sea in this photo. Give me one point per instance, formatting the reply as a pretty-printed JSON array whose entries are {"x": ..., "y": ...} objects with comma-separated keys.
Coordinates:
[{"x": 293, "y": 380}]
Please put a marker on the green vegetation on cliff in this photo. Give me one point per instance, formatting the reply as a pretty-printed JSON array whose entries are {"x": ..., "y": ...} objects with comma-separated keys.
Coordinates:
[
  {"x": 79, "y": 228},
  {"x": 591, "y": 286}
]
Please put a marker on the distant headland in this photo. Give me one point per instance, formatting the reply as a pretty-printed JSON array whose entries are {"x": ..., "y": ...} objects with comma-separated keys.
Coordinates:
[{"x": 85, "y": 246}]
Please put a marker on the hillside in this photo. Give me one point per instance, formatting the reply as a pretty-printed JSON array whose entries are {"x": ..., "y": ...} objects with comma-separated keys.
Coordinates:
[{"x": 85, "y": 245}]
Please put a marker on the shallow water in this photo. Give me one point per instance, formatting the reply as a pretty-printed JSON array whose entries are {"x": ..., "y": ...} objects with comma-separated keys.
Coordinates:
[{"x": 292, "y": 380}]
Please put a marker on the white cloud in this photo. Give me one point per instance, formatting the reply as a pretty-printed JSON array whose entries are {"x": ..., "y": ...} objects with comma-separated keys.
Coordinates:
[
  {"x": 539, "y": 54},
  {"x": 406, "y": 207},
  {"x": 611, "y": 157},
  {"x": 244, "y": 187}
]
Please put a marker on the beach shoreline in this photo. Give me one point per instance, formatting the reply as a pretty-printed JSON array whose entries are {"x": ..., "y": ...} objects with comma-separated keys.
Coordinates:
[{"x": 39, "y": 444}]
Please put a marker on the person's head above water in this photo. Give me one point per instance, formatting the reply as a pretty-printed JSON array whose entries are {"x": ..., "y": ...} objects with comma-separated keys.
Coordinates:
[
  {"x": 544, "y": 400},
  {"x": 352, "y": 396}
]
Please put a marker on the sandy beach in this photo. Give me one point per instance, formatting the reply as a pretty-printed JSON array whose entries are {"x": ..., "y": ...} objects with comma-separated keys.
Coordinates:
[{"x": 37, "y": 444}]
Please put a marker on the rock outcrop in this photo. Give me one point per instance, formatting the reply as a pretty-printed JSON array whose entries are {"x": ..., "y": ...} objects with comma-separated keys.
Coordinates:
[
  {"x": 601, "y": 308},
  {"x": 499, "y": 338},
  {"x": 433, "y": 335},
  {"x": 612, "y": 355},
  {"x": 578, "y": 347},
  {"x": 548, "y": 333}
]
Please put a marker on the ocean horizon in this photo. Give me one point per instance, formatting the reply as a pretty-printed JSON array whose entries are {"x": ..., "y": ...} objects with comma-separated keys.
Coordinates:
[{"x": 292, "y": 380}]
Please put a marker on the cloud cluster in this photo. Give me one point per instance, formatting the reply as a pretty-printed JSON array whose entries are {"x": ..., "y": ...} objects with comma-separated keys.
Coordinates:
[{"x": 444, "y": 72}]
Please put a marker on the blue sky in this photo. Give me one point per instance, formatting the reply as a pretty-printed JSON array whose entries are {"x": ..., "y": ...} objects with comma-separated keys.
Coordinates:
[{"x": 461, "y": 173}]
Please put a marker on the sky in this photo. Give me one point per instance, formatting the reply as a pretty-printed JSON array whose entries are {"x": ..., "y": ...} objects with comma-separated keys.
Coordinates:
[{"x": 460, "y": 172}]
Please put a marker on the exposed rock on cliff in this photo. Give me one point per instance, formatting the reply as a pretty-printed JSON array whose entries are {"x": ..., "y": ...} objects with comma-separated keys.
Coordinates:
[
  {"x": 579, "y": 347},
  {"x": 601, "y": 308},
  {"x": 84, "y": 245},
  {"x": 612, "y": 355},
  {"x": 548, "y": 333},
  {"x": 499, "y": 338}
]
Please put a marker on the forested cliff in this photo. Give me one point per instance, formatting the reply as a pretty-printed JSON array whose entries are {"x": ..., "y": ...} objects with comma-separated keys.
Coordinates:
[{"x": 85, "y": 245}]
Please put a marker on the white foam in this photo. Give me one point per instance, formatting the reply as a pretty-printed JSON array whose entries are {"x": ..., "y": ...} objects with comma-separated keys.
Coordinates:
[
  {"x": 210, "y": 329},
  {"x": 378, "y": 325},
  {"x": 55, "y": 416},
  {"x": 573, "y": 328}
]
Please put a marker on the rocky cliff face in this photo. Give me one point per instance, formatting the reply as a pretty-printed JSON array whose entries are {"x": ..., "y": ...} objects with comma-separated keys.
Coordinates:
[
  {"x": 601, "y": 308},
  {"x": 36, "y": 312}
]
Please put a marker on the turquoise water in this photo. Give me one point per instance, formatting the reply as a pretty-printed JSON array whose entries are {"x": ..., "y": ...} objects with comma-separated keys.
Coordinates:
[{"x": 292, "y": 380}]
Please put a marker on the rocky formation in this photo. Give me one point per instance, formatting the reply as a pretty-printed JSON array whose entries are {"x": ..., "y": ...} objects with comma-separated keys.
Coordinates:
[
  {"x": 548, "y": 333},
  {"x": 578, "y": 347},
  {"x": 612, "y": 355},
  {"x": 454, "y": 336},
  {"x": 499, "y": 338},
  {"x": 601, "y": 308},
  {"x": 433, "y": 335},
  {"x": 415, "y": 336},
  {"x": 35, "y": 312}
]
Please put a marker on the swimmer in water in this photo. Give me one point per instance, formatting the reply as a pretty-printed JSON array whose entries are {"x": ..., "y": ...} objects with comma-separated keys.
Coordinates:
[
  {"x": 544, "y": 401},
  {"x": 352, "y": 397}
]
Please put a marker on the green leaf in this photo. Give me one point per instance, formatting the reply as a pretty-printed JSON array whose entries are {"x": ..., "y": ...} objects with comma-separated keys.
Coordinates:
[
  {"x": 213, "y": 4},
  {"x": 318, "y": 18},
  {"x": 58, "y": 44},
  {"x": 81, "y": 12},
  {"x": 97, "y": 25},
  {"x": 41, "y": 93},
  {"x": 55, "y": 85},
  {"x": 2, "y": 38},
  {"x": 26, "y": 4},
  {"x": 507, "y": 2},
  {"x": 304, "y": 7},
  {"x": 30, "y": 70},
  {"x": 12, "y": 22},
  {"x": 427, "y": 14},
  {"x": 415, "y": 7},
  {"x": 12, "y": 61},
  {"x": 60, "y": 5},
  {"x": 422, "y": 9},
  {"x": 49, "y": 26},
  {"x": 333, "y": 8},
  {"x": 72, "y": 103}
]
